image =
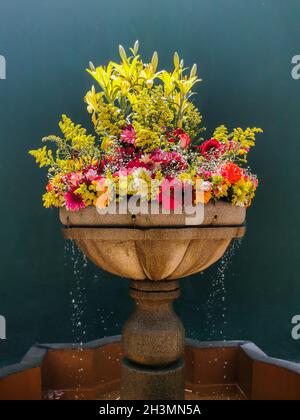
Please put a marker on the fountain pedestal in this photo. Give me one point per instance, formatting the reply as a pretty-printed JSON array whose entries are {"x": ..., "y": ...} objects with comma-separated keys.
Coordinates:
[{"x": 153, "y": 344}]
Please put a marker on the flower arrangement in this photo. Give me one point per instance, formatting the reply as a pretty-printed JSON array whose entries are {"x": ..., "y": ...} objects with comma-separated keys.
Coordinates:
[{"x": 146, "y": 133}]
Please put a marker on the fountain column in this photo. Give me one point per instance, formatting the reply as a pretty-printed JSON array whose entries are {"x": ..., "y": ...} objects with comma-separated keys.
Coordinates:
[{"x": 153, "y": 344}]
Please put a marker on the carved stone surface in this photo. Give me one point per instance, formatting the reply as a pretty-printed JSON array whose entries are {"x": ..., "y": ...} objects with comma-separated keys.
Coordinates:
[{"x": 154, "y": 253}]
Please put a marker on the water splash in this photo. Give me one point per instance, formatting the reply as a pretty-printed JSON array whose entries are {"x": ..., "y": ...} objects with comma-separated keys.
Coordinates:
[
  {"x": 216, "y": 306},
  {"x": 78, "y": 302},
  {"x": 54, "y": 395}
]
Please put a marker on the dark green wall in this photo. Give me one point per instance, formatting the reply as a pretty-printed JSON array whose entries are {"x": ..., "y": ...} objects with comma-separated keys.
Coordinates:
[{"x": 243, "y": 49}]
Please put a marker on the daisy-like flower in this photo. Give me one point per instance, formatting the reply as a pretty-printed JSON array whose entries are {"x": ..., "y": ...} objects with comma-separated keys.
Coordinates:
[{"x": 74, "y": 202}]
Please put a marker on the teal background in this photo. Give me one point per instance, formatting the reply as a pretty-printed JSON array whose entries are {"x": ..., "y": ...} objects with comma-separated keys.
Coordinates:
[{"x": 243, "y": 49}]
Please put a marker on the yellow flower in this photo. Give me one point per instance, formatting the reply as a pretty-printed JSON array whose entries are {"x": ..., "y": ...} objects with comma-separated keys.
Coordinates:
[
  {"x": 76, "y": 134},
  {"x": 51, "y": 198},
  {"x": 42, "y": 156},
  {"x": 185, "y": 177},
  {"x": 243, "y": 192},
  {"x": 88, "y": 194}
]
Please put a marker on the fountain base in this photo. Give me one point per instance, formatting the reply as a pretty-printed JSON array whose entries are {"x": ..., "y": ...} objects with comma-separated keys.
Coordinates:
[
  {"x": 140, "y": 383},
  {"x": 213, "y": 370}
]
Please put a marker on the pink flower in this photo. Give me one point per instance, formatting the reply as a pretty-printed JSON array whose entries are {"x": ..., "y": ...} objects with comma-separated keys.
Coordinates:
[
  {"x": 158, "y": 156},
  {"x": 128, "y": 134},
  {"x": 151, "y": 164},
  {"x": 123, "y": 173},
  {"x": 165, "y": 158},
  {"x": 91, "y": 174},
  {"x": 170, "y": 194},
  {"x": 74, "y": 179},
  {"x": 74, "y": 202},
  {"x": 205, "y": 173}
]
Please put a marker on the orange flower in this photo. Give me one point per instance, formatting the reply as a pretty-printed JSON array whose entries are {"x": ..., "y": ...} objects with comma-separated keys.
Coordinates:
[
  {"x": 205, "y": 197},
  {"x": 231, "y": 172},
  {"x": 203, "y": 192}
]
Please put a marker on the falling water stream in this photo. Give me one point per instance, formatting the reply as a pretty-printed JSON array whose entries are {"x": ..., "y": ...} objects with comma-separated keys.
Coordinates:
[
  {"x": 78, "y": 303},
  {"x": 216, "y": 306},
  {"x": 216, "y": 311}
]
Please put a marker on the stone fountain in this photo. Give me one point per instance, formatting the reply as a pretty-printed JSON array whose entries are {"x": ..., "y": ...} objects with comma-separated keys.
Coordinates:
[
  {"x": 157, "y": 362},
  {"x": 154, "y": 252}
]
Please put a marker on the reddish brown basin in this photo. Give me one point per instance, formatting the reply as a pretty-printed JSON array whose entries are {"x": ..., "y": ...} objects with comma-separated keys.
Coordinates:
[{"x": 216, "y": 370}]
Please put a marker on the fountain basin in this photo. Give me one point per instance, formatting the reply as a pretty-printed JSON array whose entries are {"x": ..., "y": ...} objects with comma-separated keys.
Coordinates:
[
  {"x": 154, "y": 247},
  {"x": 214, "y": 370}
]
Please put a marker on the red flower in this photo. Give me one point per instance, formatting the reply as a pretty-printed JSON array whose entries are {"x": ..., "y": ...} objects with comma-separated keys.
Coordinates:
[
  {"x": 49, "y": 187},
  {"x": 211, "y": 148},
  {"x": 163, "y": 159},
  {"x": 136, "y": 163},
  {"x": 128, "y": 134},
  {"x": 128, "y": 150},
  {"x": 184, "y": 139},
  {"x": 231, "y": 172},
  {"x": 178, "y": 132}
]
